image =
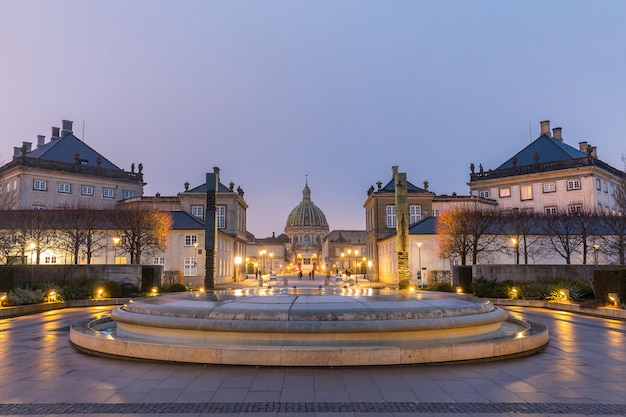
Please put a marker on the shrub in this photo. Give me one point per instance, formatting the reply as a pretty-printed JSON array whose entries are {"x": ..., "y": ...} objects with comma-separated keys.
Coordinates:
[
  {"x": 80, "y": 289},
  {"x": 492, "y": 288},
  {"x": 441, "y": 286},
  {"x": 177, "y": 288},
  {"x": 110, "y": 289},
  {"x": 24, "y": 295}
]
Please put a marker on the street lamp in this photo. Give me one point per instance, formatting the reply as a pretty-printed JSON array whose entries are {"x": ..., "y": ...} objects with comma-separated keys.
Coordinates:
[
  {"x": 237, "y": 265},
  {"x": 116, "y": 243},
  {"x": 596, "y": 247},
  {"x": 419, "y": 262},
  {"x": 364, "y": 266},
  {"x": 515, "y": 244},
  {"x": 262, "y": 253}
]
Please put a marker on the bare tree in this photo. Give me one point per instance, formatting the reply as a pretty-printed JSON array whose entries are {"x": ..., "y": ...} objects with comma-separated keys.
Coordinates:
[
  {"x": 80, "y": 232},
  {"x": 143, "y": 231},
  {"x": 562, "y": 233},
  {"x": 37, "y": 230}
]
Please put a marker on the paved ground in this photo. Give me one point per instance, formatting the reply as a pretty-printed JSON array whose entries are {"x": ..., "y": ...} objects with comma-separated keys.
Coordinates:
[{"x": 581, "y": 372}]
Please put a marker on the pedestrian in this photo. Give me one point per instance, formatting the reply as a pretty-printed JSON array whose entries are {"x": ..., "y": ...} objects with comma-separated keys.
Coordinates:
[{"x": 300, "y": 274}]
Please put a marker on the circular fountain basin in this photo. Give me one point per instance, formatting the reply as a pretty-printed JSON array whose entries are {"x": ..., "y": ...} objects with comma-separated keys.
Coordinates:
[{"x": 310, "y": 327}]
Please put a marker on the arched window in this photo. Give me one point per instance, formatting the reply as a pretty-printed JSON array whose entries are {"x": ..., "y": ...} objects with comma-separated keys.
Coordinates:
[{"x": 306, "y": 240}]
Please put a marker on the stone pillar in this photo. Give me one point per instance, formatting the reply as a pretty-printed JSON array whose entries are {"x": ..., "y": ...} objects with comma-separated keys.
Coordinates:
[
  {"x": 210, "y": 230},
  {"x": 402, "y": 229}
]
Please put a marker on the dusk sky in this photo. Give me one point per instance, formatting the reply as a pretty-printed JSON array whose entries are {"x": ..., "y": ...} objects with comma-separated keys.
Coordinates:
[{"x": 273, "y": 91}]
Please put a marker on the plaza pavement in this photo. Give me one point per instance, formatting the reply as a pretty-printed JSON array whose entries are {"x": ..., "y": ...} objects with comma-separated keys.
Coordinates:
[{"x": 581, "y": 372}]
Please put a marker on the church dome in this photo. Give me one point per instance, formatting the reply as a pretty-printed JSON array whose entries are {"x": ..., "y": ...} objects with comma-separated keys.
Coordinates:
[{"x": 306, "y": 213}]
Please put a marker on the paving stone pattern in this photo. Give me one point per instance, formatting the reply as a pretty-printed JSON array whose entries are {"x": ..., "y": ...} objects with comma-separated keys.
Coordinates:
[{"x": 581, "y": 372}]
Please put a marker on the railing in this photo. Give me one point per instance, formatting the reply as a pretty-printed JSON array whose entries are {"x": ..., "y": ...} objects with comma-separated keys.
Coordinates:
[
  {"x": 545, "y": 167},
  {"x": 96, "y": 171}
]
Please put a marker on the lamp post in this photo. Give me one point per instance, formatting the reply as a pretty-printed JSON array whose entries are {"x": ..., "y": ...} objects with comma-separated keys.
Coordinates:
[
  {"x": 246, "y": 267},
  {"x": 515, "y": 244},
  {"x": 32, "y": 247},
  {"x": 343, "y": 255},
  {"x": 271, "y": 262},
  {"x": 596, "y": 248},
  {"x": 349, "y": 261},
  {"x": 262, "y": 253},
  {"x": 116, "y": 243},
  {"x": 364, "y": 267},
  {"x": 419, "y": 264},
  {"x": 237, "y": 265}
]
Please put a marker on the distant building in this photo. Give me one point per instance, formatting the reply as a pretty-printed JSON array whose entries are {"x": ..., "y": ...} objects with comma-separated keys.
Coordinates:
[
  {"x": 345, "y": 250},
  {"x": 306, "y": 228},
  {"x": 65, "y": 172},
  {"x": 550, "y": 176}
]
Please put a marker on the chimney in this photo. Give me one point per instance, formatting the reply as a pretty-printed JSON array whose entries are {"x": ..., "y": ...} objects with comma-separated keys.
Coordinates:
[
  {"x": 216, "y": 171},
  {"x": 556, "y": 134},
  {"x": 594, "y": 152},
  {"x": 17, "y": 152},
  {"x": 545, "y": 128},
  {"x": 41, "y": 140},
  {"x": 27, "y": 145},
  {"x": 67, "y": 128},
  {"x": 394, "y": 171},
  {"x": 582, "y": 146},
  {"x": 55, "y": 134}
]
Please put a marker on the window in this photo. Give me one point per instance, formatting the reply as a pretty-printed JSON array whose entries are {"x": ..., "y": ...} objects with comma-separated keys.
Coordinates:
[
  {"x": 158, "y": 260},
  {"x": 573, "y": 185},
  {"x": 190, "y": 240},
  {"x": 86, "y": 190},
  {"x": 50, "y": 260},
  {"x": 336, "y": 251},
  {"x": 64, "y": 188},
  {"x": 549, "y": 187},
  {"x": 484, "y": 194},
  {"x": 108, "y": 192},
  {"x": 415, "y": 214},
  {"x": 526, "y": 192},
  {"x": 391, "y": 217},
  {"x": 221, "y": 217},
  {"x": 600, "y": 208},
  {"x": 435, "y": 212},
  {"x": 605, "y": 187},
  {"x": 551, "y": 210},
  {"x": 39, "y": 185},
  {"x": 612, "y": 189},
  {"x": 190, "y": 266},
  {"x": 128, "y": 194},
  {"x": 598, "y": 184},
  {"x": 39, "y": 207},
  {"x": 575, "y": 208},
  {"x": 197, "y": 211},
  {"x": 505, "y": 192}
]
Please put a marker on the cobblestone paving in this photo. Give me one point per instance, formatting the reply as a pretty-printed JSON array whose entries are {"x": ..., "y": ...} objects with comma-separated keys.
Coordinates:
[{"x": 315, "y": 407}]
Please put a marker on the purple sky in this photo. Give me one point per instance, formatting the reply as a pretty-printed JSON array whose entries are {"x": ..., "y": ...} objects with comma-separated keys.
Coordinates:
[{"x": 271, "y": 91}]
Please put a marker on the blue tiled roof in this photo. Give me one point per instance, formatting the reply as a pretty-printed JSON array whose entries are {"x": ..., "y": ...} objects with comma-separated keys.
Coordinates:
[
  {"x": 64, "y": 149},
  {"x": 549, "y": 150},
  {"x": 221, "y": 188},
  {"x": 185, "y": 221},
  {"x": 391, "y": 186},
  {"x": 426, "y": 226}
]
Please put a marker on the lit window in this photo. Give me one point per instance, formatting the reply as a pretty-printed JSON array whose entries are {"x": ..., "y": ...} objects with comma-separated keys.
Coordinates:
[
  {"x": 39, "y": 185},
  {"x": 526, "y": 192},
  {"x": 108, "y": 192},
  {"x": 549, "y": 187},
  {"x": 86, "y": 190},
  {"x": 391, "y": 217},
  {"x": 484, "y": 194},
  {"x": 197, "y": 211},
  {"x": 573, "y": 185},
  {"x": 415, "y": 214},
  {"x": 221, "y": 217},
  {"x": 504, "y": 192},
  {"x": 64, "y": 188},
  {"x": 190, "y": 240}
]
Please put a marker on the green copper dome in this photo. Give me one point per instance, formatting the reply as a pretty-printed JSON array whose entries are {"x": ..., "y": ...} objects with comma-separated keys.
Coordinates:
[{"x": 307, "y": 213}]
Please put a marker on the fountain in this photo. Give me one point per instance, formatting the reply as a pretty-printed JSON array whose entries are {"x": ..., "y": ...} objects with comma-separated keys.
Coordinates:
[{"x": 310, "y": 327}]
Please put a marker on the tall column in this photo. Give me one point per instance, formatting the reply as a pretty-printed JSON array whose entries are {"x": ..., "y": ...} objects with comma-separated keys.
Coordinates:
[
  {"x": 402, "y": 229},
  {"x": 210, "y": 229}
]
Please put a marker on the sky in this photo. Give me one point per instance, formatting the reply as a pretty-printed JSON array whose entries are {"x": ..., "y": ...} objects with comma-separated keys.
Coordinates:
[{"x": 333, "y": 92}]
